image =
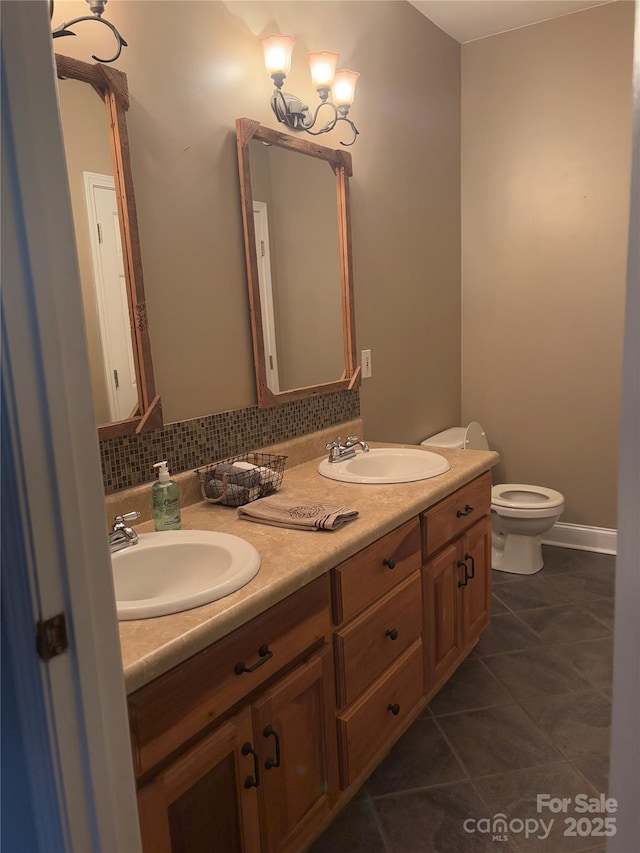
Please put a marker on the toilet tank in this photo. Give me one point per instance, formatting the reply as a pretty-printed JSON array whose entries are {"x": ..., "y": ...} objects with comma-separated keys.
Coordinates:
[
  {"x": 471, "y": 437},
  {"x": 452, "y": 437}
]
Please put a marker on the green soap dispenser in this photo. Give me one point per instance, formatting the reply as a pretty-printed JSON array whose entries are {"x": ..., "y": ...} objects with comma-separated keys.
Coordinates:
[{"x": 165, "y": 496}]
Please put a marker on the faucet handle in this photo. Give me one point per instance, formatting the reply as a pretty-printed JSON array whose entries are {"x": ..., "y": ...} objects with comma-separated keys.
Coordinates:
[
  {"x": 332, "y": 444},
  {"x": 120, "y": 520},
  {"x": 351, "y": 439}
]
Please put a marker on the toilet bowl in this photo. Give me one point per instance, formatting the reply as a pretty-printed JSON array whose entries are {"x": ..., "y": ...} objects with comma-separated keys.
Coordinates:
[{"x": 520, "y": 513}]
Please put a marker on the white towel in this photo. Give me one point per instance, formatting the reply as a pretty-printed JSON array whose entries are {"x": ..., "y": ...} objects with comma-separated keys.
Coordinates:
[{"x": 267, "y": 475}]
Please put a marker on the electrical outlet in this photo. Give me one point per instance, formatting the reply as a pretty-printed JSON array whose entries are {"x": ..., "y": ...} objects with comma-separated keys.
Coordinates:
[{"x": 365, "y": 361}]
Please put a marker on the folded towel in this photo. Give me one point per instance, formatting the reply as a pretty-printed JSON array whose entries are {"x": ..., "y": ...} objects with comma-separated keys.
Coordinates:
[{"x": 300, "y": 515}]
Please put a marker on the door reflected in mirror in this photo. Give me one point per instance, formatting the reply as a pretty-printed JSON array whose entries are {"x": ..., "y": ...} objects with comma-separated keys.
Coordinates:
[
  {"x": 298, "y": 267},
  {"x": 295, "y": 208},
  {"x": 99, "y": 245}
]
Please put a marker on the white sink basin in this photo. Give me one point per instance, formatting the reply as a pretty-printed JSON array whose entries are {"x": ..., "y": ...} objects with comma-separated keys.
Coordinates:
[
  {"x": 386, "y": 465},
  {"x": 178, "y": 569}
]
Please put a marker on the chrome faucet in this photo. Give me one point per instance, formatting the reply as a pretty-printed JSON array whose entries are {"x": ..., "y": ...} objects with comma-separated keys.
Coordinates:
[
  {"x": 338, "y": 452},
  {"x": 121, "y": 535}
]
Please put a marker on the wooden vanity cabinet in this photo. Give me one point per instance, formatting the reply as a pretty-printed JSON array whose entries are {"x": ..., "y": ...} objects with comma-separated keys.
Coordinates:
[
  {"x": 201, "y": 801},
  {"x": 377, "y": 597},
  {"x": 263, "y": 779},
  {"x": 294, "y": 725},
  {"x": 244, "y": 747},
  {"x": 456, "y": 535}
]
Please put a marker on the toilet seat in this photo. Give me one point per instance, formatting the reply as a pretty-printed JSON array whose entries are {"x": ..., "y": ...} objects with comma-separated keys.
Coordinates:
[
  {"x": 514, "y": 499},
  {"x": 475, "y": 438}
]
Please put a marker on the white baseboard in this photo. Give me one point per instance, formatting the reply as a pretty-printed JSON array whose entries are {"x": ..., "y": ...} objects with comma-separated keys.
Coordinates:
[{"x": 603, "y": 540}]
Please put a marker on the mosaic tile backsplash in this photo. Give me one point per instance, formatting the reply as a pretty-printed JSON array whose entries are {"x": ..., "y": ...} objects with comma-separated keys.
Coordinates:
[{"x": 128, "y": 461}]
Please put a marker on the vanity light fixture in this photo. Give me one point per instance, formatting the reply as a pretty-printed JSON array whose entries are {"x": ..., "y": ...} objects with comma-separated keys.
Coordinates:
[
  {"x": 96, "y": 8},
  {"x": 288, "y": 108}
]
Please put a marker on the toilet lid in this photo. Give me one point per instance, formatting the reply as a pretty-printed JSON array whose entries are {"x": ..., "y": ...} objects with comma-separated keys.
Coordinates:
[
  {"x": 474, "y": 437},
  {"x": 523, "y": 496}
]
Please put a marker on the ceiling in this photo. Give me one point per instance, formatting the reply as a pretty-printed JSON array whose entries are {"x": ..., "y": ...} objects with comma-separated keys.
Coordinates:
[{"x": 467, "y": 20}]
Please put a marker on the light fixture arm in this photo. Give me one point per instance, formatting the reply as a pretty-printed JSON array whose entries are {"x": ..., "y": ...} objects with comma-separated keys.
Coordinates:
[
  {"x": 97, "y": 8},
  {"x": 290, "y": 110}
]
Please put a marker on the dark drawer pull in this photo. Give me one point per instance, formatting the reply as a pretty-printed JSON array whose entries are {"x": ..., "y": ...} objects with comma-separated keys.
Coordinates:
[
  {"x": 265, "y": 655},
  {"x": 468, "y": 509},
  {"x": 390, "y": 563},
  {"x": 251, "y": 781},
  {"x": 473, "y": 566},
  {"x": 392, "y": 634},
  {"x": 395, "y": 709},
  {"x": 269, "y": 731},
  {"x": 464, "y": 566}
]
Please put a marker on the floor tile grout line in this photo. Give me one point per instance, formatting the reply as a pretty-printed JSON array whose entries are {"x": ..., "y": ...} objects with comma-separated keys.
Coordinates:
[
  {"x": 503, "y": 683},
  {"x": 583, "y": 775},
  {"x": 454, "y": 751},
  {"x": 380, "y": 827},
  {"x": 555, "y": 746}
]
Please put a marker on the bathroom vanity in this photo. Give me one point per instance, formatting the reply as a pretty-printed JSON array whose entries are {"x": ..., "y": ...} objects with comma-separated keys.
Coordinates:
[{"x": 256, "y": 717}]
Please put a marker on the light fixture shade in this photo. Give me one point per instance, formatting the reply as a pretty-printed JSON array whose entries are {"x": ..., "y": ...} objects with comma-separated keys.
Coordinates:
[
  {"x": 323, "y": 68},
  {"x": 344, "y": 87},
  {"x": 277, "y": 53}
]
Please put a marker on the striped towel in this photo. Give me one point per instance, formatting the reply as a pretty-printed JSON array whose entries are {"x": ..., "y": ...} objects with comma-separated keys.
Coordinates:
[{"x": 300, "y": 515}]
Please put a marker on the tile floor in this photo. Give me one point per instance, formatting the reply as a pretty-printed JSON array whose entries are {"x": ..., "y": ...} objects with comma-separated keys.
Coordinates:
[{"x": 527, "y": 713}]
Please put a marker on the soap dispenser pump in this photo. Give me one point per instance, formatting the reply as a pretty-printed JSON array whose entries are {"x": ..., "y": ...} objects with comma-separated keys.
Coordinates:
[{"x": 165, "y": 497}]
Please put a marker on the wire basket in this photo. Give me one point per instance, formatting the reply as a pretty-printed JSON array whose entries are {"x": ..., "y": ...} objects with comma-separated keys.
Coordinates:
[{"x": 227, "y": 484}]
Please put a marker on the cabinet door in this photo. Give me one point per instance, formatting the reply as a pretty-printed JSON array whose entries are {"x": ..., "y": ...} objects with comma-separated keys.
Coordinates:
[
  {"x": 476, "y": 594},
  {"x": 442, "y": 613},
  {"x": 294, "y": 724},
  {"x": 200, "y": 804}
]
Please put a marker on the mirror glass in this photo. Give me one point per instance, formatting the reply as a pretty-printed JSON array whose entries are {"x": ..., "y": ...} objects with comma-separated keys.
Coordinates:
[
  {"x": 100, "y": 261},
  {"x": 298, "y": 266},
  {"x": 93, "y": 100},
  {"x": 297, "y": 247}
]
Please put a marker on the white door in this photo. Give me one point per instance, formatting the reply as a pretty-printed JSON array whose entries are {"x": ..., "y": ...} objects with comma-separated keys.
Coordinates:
[
  {"x": 111, "y": 295},
  {"x": 68, "y": 752},
  {"x": 261, "y": 227}
]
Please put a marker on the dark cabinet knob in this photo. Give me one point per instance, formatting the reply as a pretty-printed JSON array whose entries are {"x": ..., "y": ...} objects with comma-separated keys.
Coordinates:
[
  {"x": 392, "y": 634},
  {"x": 390, "y": 563},
  {"x": 395, "y": 709}
]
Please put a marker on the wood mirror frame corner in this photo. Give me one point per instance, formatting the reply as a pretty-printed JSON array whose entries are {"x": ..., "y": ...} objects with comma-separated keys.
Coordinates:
[
  {"x": 111, "y": 86},
  {"x": 340, "y": 162}
]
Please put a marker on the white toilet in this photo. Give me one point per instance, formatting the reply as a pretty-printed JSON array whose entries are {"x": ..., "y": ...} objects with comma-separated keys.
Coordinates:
[{"x": 520, "y": 514}]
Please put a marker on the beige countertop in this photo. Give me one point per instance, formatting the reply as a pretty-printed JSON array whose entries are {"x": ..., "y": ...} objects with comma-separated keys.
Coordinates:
[{"x": 289, "y": 558}]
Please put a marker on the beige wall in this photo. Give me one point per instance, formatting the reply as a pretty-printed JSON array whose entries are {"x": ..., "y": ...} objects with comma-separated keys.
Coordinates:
[
  {"x": 545, "y": 175},
  {"x": 546, "y": 146},
  {"x": 193, "y": 68}
]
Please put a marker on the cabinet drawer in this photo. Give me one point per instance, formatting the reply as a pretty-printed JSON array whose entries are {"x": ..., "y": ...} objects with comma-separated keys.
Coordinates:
[
  {"x": 375, "y": 570},
  {"x": 369, "y": 644},
  {"x": 178, "y": 705},
  {"x": 370, "y": 723},
  {"x": 454, "y": 514}
]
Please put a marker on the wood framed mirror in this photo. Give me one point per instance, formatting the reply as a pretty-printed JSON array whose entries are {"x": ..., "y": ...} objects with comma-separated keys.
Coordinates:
[
  {"x": 297, "y": 236},
  {"x": 104, "y": 212}
]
